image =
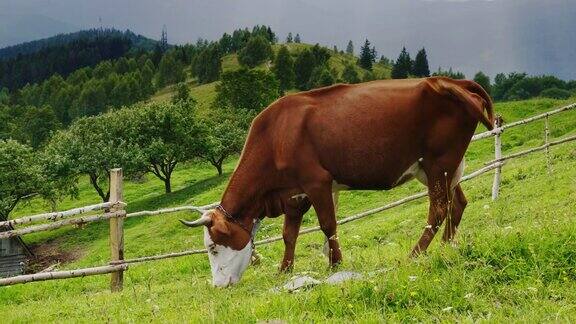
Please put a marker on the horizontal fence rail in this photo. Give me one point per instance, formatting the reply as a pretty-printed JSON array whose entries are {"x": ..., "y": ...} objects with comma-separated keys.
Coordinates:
[
  {"x": 536, "y": 149},
  {"x": 116, "y": 213},
  {"x": 62, "y": 223},
  {"x": 317, "y": 228},
  {"x": 498, "y": 130},
  {"x": 63, "y": 274},
  {"x": 56, "y": 215}
]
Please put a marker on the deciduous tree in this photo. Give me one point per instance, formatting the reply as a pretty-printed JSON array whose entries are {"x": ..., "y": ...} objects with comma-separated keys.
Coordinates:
[
  {"x": 20, "y": 175},
  {"x": 165, "y": 134},
  {"x": 207, "y": 65},
  {"x": 303, "y": 66},
  {"x": 93, "y": 146},
  {"x": 483, "y": 80},
  {"x": 256, "y": 51},
  {"x": 244, "y": 89},
  {"x": 350, "y": 75},
  {"x": 225, "y": 132}
]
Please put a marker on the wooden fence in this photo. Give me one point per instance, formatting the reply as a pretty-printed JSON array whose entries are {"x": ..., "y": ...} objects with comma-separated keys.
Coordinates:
[{"x": 114, "y": 211}]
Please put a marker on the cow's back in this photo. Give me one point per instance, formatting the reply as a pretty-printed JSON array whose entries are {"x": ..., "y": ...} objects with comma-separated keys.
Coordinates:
[{"x": 365, "y": 135}]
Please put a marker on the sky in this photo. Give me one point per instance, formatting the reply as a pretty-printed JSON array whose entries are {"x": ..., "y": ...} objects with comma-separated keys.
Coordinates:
[{"x": 469, "y": 35}]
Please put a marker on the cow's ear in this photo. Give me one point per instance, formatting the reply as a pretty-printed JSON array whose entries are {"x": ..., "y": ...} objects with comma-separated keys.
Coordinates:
[{"x": 219, "y": 226}]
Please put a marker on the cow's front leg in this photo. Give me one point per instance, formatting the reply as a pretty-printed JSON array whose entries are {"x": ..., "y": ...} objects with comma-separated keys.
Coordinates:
[
  {"x": 320, "y": 195},
  {"x": 292, "y": 222}
]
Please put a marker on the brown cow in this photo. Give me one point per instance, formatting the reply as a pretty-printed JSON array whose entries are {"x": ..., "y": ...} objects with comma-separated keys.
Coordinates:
[{"x": 374, "y": 135}]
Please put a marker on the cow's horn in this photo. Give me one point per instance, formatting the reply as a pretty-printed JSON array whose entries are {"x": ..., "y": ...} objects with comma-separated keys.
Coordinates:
[{"x": 204, "y": 220}]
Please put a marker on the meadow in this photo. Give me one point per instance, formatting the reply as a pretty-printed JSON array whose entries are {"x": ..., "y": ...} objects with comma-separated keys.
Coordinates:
[{"x": 514, "y": 257}]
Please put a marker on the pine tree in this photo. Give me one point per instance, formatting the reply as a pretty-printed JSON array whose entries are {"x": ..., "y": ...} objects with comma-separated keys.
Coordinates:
[
  {"x": 366, "y": 58},
  {"x": 297, "y": 39},
  {"x": 421, "y": 68},
  {"x": 289, "y": 38},
  {"x": 403, "y": 65},
  {"x": 483, "y": 80},
  {"x": 164, "y": 39},
  {"x": 305, "y": 63},
  {"x": 335, "y": 49},
  {"x": 350, "y": 48},
  {"x": 284, "y": 69}
]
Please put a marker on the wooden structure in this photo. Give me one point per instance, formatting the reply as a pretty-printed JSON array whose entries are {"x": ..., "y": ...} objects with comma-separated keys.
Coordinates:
[
  {"x": 115, "y": 211},
  {"x": 14, "y": 256}
]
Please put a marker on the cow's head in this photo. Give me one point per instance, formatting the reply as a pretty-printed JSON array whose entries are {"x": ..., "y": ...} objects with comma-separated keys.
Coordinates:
[{"x": 229, "y": 246}]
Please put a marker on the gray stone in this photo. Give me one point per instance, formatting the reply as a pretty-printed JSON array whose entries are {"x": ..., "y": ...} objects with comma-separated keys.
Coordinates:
[
  {"x": 300, "y": 282},
  {"x": 342, "y": 276}
]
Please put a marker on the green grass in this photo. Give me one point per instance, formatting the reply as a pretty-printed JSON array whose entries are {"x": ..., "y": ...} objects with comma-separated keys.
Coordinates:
[{"x": 515, "y": 258}]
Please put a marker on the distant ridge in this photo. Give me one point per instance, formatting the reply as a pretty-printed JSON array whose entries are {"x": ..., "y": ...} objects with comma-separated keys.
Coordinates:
[
  {"x": 35, "y": 61},
  {"x": 137, "y": 41}
]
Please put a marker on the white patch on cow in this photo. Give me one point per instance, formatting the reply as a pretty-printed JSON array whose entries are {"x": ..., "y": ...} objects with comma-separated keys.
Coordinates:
[
  {"x": 414, "y": 171},
  {"x": 338, "y": 186},
  {"x": 227, "y": 264},
  {"x": 458, "y": 174},
  {"x": 299, "y": 196},
  {"x": 335, "y": 188}
]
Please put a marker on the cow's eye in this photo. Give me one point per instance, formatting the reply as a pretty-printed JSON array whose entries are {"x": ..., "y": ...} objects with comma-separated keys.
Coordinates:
[{"x": 212, "y": 249}]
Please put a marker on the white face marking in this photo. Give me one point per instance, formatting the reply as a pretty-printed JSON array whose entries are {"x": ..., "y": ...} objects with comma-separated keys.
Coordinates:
[{"x": 227, "y": 264}]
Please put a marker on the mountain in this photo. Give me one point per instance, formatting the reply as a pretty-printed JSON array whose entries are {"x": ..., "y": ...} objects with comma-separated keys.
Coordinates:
[
  {"x": 36, "y": 61},
  {"x": 137, "y": 41}
]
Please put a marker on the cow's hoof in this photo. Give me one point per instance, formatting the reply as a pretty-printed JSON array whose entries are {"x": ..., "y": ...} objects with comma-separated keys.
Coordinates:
[
  {"x": 286, "y": 266},
  {"x": 416, "y": 253},
  {"x": 255, "y": 259}
]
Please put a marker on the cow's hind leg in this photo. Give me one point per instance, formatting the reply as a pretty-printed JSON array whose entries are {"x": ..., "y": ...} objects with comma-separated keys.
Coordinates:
[
  {"x": 439, "y": 183},
  {"x": 292, "y": 222},
  {"x": 458, "y": 205}
]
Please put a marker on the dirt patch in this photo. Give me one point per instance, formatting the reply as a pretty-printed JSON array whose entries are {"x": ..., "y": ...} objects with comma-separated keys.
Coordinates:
[{"x": 50, "y": 255}]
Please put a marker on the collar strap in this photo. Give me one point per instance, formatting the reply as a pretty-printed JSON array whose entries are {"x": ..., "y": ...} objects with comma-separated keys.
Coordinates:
[
  {"x": 233, "y": 220},
  {"x": 223, "y": 211}
]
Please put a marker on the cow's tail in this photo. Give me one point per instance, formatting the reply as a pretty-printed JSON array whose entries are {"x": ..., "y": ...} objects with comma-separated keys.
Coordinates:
[{"x": 464, "y": 91}]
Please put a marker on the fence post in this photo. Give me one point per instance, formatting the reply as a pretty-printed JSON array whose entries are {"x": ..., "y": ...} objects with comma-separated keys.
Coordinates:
[
  {"x": 546, "y": 142},
  {"x": 116, "y": 228},
  {"x": 497, "y": 156}
]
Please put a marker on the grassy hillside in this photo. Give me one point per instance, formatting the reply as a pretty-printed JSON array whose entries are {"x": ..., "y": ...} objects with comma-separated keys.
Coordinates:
[
  {"x": 515, "y": 258},
  {"x": 206, "y": 93}
]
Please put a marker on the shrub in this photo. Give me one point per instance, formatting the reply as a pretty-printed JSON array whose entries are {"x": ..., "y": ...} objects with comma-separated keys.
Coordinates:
[{"x": 556, "y": 93}]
